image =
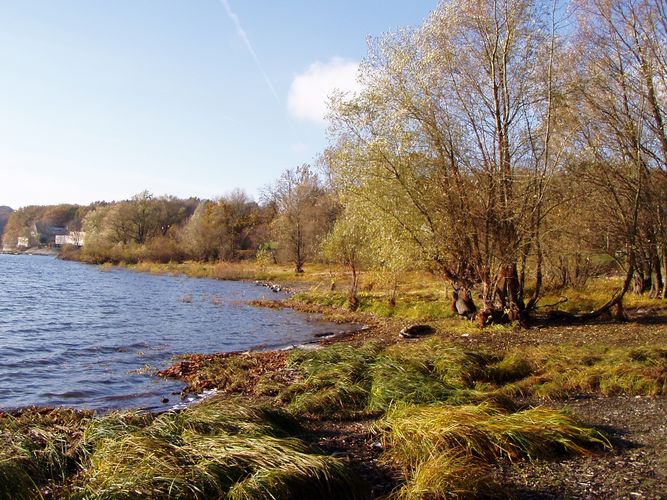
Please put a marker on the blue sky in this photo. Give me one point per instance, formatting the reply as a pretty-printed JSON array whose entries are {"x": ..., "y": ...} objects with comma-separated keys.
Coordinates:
[{"x": 101, "y": 99}]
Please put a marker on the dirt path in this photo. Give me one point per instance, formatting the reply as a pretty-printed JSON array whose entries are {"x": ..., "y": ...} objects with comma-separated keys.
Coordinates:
[{"x": 635, "y": 468}]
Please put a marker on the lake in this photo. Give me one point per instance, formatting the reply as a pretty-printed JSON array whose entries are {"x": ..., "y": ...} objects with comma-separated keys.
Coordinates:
[{"x": 79, "y": 336}]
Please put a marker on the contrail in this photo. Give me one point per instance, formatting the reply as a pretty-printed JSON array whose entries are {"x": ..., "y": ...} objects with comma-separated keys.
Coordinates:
[{"x": 244, "y": 36}]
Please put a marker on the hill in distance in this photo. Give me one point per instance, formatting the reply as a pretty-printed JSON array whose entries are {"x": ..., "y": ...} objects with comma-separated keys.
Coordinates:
[{"x": 4, "y": 216}]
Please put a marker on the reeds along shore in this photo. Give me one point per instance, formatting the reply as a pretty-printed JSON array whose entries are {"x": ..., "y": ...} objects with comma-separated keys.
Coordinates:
[{"x": 443, "y": 415}]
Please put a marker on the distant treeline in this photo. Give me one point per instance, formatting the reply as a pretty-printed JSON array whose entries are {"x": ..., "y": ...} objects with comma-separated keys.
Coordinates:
[
  {"x": 4, "y": 216},
  {"x": 288, "y": 224}
]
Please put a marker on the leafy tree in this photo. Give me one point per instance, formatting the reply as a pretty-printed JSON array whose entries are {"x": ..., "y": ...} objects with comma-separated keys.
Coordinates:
[
  {"x": 5, "y": 212},
  {"x": 221, "y": 229},
  {"x": 449, "y": 143},
  {"x": 348, "y": 244}
]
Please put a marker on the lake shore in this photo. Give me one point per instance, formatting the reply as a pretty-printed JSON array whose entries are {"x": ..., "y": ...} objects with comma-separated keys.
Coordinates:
[
  {"x": 635, "y": 424},
  {"x": 340, "y": 397}
]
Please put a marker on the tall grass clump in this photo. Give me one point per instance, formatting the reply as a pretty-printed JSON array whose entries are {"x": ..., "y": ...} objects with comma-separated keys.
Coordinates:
[
  {"x": 340, "y": 381},
  {"x": 407, "y": 380},
  {"x": 38, "y": 447},
  {"x": 511, "y": 368},
  {"x": 336, "y": 380},
  {"x": 220, "y": 448},
  {"x": 484, "y": 431},
  {"x": 219, "y": 416},
  {"x": 430, "y": 372},
  {"x": 15, "y": 481},
  {"x": 447, "y": 451},
  {"x": 449, "y": 476},
  {"x": 114, "y": 425}
]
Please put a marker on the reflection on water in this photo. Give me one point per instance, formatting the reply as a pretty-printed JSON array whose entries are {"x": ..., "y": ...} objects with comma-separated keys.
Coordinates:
[{"x": 74, "y": 335}]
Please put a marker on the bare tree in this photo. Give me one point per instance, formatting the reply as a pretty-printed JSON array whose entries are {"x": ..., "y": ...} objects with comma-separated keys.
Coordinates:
[
  {"x": 620, "y": 147},
  {"x": 304, "y": 213}
]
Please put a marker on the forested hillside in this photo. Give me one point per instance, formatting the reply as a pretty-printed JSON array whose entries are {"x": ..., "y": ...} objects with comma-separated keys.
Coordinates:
[{"x": 4, "y": 216}]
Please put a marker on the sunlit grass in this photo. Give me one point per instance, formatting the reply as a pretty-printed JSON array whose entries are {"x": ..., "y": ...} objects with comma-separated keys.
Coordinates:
[
  {"x": 449, "y": 476},
  {"x": 344, "y": 380},
  {"x": 555, "y": 371},
  {"x": 336, "y": 380},
  {"x": 446, "y": 451},
  {"x": 37, "y": 447},
  {"x": 595, "y": 293},
  {"x": 219, "y": 448},
  {"x": 443, "y": 412},
  {"x": 486, "y": 431},
  {"x": 409, "y": 306}
]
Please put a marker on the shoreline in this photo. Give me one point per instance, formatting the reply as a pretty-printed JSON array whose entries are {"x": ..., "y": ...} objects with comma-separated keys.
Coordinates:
[
  {"x": 261, "y": 378},
  {"x": 606, "y": 377},
  {"x": 39, "y": 252}
]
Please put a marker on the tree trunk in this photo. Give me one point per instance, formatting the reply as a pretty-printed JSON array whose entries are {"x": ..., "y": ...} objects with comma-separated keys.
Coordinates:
[
  {"x": 462, "y": 302},
  {"x": 640, "y": 282},
  {"x": 657, "y": 284},
  {"x": 516, "y": 308},
  {"x": 615, "y": 302},
  {"x": 352, "y": 298}
]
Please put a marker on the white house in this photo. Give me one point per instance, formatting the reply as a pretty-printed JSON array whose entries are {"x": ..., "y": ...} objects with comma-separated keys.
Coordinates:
[{"x": 75, "y": 238}]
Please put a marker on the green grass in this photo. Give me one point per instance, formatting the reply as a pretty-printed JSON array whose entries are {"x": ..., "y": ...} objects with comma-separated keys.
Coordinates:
[
  {"x": 446, "y": 451},
  {"x": 414, "y": 306},
  {"x": 345, "y": 381},
  {"x": 597, "y": 292},
  {"x": 336, "y": 380},
  {"x": 38, "y": 447},
  {"x": 555, "y": 371}
]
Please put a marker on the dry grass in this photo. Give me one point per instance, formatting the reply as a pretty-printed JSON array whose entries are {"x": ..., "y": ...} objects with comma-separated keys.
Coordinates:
[
  {"x": 214, "y": 449},
  {"x": 447, "y": 451},
  {"x": 219, "y": 448},
  {"x": 38, "y": 447},
  {"x": 485, "y": 431},
  {"x": 449, "y": 476},
  {"x": 556, "y": 371}
]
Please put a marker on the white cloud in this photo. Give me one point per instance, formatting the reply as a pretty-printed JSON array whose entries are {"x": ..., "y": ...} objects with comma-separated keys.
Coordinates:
[{"x": 308, "y": 95}]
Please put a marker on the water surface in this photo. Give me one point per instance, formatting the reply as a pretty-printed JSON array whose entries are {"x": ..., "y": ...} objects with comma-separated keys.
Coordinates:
[{"x": 75, "y": 335}]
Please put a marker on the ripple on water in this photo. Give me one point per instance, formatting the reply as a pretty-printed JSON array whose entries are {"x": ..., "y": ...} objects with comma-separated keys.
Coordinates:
[{"x": 73, "y": 335}]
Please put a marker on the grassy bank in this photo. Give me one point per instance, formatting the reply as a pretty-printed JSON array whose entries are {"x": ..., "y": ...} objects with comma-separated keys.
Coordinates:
[
  {"x": 444, "y": 416},
  {"x": 439, "y": 416}
]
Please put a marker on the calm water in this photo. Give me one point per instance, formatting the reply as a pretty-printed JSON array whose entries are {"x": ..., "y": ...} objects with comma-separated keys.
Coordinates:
[{"x": 73, "y": 335}]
